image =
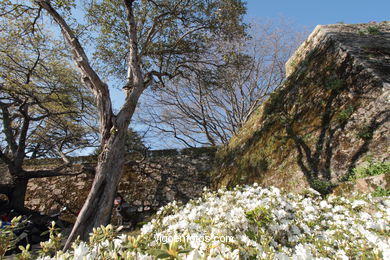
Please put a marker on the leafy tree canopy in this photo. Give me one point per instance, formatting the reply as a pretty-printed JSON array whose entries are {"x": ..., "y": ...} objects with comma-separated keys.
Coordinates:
[
  {"x": 172, "y": 35},
  {"x": 45, "y": 110}
]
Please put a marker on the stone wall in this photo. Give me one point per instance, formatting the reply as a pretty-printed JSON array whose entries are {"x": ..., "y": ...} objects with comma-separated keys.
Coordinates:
[
  {"x": 331, "y": 115},
  {"x": 148, "y": 182}
]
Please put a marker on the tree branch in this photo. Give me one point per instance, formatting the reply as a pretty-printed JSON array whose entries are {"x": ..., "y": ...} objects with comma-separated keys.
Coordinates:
[
  {"x": 62, "y": 170},
  {"x": 135, "y": 85},
  {"x": 7, "y": 124},
  {"x": 18, "y": 160},
  {"x": 5, "y": 158},
  {"x": 89, "y": 76},
  {"x": 134, "y": 74}
]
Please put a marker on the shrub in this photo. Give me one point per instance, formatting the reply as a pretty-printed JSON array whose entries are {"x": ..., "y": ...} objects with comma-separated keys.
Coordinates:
[
  {"x": 251, "y": 223},
  {"x": 373, "y": 30},
  {"x": 8, "y": 239}
]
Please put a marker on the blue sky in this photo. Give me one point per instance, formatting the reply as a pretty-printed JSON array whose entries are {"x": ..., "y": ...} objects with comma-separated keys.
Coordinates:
[
  {"x": 309, "y": 13},
  {"x": 304, "y": 15}
]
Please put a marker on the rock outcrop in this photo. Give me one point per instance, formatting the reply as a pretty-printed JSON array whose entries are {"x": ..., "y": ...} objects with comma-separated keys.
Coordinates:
[{"x": 331, "y": 114}]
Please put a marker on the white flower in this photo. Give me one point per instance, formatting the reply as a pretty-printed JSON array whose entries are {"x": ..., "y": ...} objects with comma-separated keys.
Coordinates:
[
  {"x": 81, "y": 251},
  {"x": 358, "y": 204},
  {"x": 379, "y": 225},
  {"x": 302, "y": 252},
  {"x": 281, "y": 256},
  {"x": 324, "y": 204},
  {"x": 340, "y": 254},
  {"x": 295, "y": 230},
  {"x": 193, "y": 255},
  {"x": 338, "y": 209},
  {"x": 261, "y": 223}
]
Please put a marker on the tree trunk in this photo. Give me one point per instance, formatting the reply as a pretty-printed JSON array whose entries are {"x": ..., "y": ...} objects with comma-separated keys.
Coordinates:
[
  {"x": 18, "y": 194},
  {"x": 97, "y": 208}
]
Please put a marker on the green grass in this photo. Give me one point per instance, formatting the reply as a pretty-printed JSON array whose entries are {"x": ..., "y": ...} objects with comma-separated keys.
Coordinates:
[
  {"x": 380, "y": 192},
  {"x": 372, "y": 169}
]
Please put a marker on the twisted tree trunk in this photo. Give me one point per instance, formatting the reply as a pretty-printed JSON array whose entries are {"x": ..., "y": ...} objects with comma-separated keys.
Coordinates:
[{"x": 97, "y": 208}]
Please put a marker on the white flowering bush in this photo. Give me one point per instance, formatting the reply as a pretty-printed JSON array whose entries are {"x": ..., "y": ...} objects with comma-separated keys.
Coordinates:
[{"x": 252, "y": 223}]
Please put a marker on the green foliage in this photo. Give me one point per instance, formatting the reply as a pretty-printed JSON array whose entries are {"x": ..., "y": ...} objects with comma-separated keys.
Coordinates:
[
  {"x": 54, "y": 243},
  {"x": 25, "y": 253},
  {"x": 203, "y": 221},
  {"x": 365, "y": 133},
  {"x": 103, "y": 233},
  {"x": 134, "y": 141},
  {"x": 345, "y": 114},
  {"x": 373, "y": 29},
  {"x": 169, "y": 251},
  {"x": 288, "y": 221},
  {"x": 322, "y": 186},
  {"x": 261, "y": 216},
  {"x": 37, "y": 75},
  {"x": 275, "y": 102},
  {"x": 170, "y": 33},
  {"x": 372, "y": 169},
  {"x": 8, "y": 239},
  {"x": 380, "y": 192}
]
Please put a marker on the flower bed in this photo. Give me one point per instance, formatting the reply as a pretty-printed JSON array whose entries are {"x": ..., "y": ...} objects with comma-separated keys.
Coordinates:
[{"x": 250, "y": 223}]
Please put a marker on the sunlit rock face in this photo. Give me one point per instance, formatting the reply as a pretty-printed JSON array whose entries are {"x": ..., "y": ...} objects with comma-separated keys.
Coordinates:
[{"x": 330, "y": 116}]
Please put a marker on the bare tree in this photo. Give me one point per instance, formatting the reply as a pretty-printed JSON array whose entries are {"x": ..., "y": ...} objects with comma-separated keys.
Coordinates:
[{"x": 211, "y": 104}]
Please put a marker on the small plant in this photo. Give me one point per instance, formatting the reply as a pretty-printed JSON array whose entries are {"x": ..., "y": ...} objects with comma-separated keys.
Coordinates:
[
  {"x": 374, "y": 30},
  {"x": 374, "y": 168},
  {"x": 261, "y": 216},
  {"x": 380, "y": 192},
  {"x": 8, "y": 239},
  {"x": 307, "y": 137},
  {"x": 25, "y": 253},
  {"x": 365, "y": 133},
  {"x": 345, "y": 114},
  {"x": 54, "y": 243},
  {"x": 361, "y": 32},
  {"x": 102, "y": 233},
  {"x": 171, "y": 251},
  {"x": 322, "y": 186}
]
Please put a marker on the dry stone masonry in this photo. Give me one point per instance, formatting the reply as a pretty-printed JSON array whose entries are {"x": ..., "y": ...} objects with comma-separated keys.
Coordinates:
[
  {"x": 330, "y": 116},
  {"x": 148, "y": 182}
]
